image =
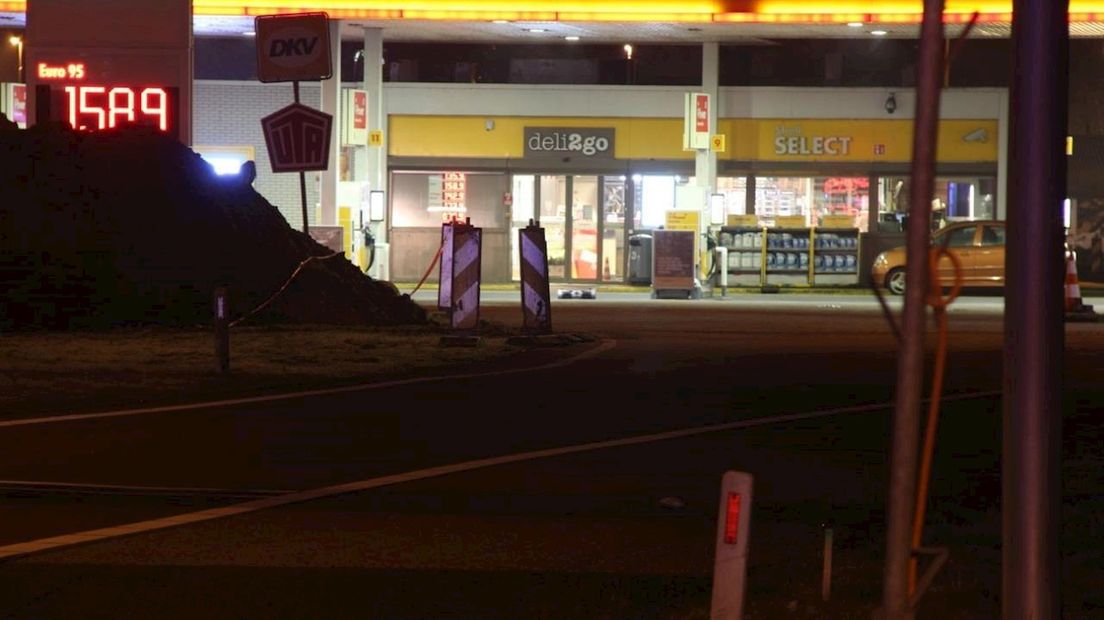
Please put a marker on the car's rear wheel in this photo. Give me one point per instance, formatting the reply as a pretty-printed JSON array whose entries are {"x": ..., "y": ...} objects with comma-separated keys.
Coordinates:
[{"x": 895, "y": 281}]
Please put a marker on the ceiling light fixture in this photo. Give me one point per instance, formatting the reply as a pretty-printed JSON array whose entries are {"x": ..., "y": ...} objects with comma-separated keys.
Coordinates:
[
  {"x": 878, "y": 33},
  {"x": 571, "y": 37},
  {"x": 628, "y": 51},
  {"x": 537, "y": 30},
  {"x": 249, "y": 33},
  {"x": 854, "y": 24},
  {"x": 500, "y": 21}
]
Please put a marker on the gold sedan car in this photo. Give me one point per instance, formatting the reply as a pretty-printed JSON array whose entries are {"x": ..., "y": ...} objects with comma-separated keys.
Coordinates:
[{"x": 979, "y": 246}]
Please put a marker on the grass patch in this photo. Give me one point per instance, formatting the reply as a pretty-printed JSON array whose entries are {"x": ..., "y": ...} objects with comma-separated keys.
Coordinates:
[{"x": 87, "y": 371}]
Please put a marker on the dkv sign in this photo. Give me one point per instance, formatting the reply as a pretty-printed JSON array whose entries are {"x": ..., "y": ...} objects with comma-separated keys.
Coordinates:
[{"x": 292, "y": 48}]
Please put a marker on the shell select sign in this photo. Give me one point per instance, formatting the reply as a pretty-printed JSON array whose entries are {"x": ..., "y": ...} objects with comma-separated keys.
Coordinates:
[
  {"x": 293, "y": 48},
  {"x": 298, "y": 138}
]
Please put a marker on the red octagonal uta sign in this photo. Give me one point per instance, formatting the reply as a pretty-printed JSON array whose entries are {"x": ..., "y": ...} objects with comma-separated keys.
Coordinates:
[{"x": 298, "y": 138}]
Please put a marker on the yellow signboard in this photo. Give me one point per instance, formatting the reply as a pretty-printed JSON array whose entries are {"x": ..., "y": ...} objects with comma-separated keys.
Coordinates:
[
  {"x": 718, "y": 143},
  {"x": 761, "y": 139},
  {"x": 375, "y": 138},
  {"x": 746, "y": 221},
  {"x": 683, "y": 220},
  {"x": 790, "y": 221},
  {"x": 837, "y": 221}
]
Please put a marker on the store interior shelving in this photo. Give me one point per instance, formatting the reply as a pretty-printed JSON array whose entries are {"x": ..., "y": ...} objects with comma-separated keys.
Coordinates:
[{"x": 794, "y": 256}]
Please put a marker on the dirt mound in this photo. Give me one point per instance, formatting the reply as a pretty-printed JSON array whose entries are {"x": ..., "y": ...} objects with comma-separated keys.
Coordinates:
[{"x": 131, "y": 227}]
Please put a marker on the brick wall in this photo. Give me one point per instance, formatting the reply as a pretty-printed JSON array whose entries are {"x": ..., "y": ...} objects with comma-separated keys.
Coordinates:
[{"x": 228, "y": 114}]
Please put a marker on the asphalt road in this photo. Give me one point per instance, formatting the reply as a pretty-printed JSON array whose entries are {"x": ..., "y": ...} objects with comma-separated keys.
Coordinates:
[{"x": 426, "y": 526}]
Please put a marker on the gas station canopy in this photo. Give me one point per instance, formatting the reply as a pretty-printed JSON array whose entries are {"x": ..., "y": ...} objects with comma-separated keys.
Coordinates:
[{"x": 671, "y": 21}]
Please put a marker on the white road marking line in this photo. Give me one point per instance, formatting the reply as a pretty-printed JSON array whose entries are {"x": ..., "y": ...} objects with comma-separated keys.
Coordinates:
[
  {"x": 53, "y": 485},
  {"x": 602, "y": 348},
  {"x": 67, "y": 540}
]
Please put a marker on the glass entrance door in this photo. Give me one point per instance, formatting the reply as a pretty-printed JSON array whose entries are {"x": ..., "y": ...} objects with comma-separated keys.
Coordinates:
[
  {"x": 553, "y": 212},
  {"x": 613, "y": 228},
  {"x": 584, "y": 223},
  {"x": 584, "y": 228}
]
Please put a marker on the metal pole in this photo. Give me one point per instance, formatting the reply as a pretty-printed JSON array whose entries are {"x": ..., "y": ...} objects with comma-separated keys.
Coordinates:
[
  {"x": 302, "y": 175},
  {"x": 222, "y": 329},
  {"x": 1033, "y": 320},
  {"x": 910, "y": 364}
]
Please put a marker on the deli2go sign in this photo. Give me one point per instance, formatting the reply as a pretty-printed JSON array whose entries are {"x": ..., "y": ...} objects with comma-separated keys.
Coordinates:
[{"x": 293, "y": 48}]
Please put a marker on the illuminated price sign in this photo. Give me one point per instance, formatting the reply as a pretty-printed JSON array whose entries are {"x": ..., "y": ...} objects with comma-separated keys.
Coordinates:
[
  {"x": 454, "y": 191},
  {"x": 69, "y": 96}
]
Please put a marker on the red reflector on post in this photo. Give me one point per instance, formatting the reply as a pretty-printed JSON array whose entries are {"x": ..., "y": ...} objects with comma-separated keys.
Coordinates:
[{"x": 732, "y": 518}]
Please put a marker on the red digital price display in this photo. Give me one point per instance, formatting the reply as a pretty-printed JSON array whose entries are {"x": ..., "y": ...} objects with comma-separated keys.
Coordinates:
[
  {"x": 93, "y": 107},
  {"x": 96, "y": 107}
]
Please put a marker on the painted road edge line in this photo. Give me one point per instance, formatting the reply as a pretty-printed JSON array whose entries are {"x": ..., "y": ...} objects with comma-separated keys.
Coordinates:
[
  {"x": 80, "y": 538},
  {"x": 605, "y": 345}
]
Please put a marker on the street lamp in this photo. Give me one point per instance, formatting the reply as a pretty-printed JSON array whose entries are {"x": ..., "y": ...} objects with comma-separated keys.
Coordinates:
[{"x": 18, "y": 43}]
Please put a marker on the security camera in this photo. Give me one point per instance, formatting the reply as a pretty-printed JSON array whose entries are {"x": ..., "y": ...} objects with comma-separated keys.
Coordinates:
[{"x": 891, "y": 103}]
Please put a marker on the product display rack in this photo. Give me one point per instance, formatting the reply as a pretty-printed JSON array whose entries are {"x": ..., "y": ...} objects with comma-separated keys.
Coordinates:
[
  {"x": 794, "y": 256},
  {"x": 745, "y": 250},
  {"x": 836, "y": 255},
  {"x": 789, "y": 253}
]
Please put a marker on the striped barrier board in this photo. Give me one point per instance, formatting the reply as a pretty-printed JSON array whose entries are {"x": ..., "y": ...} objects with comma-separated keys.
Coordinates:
[
  {"x": 444, "y": 281},
  {"x": 536, "y": 310},
  {"x": 467, "y": 245}
]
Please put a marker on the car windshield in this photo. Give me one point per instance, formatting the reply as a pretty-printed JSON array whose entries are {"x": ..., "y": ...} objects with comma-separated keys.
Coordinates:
[
  {"x": 992, "y": 235},
  {"x": 956, "y": 237}
]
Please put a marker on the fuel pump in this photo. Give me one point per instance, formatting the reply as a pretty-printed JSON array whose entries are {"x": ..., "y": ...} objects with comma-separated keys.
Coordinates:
[{"x": 369, "y": 241}]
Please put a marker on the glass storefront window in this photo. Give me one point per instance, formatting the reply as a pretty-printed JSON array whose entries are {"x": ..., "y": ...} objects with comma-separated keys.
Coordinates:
[
  {"x": 655, "y": 195},
  {"x": 847, "y": 196},
  {"x": 783, "y": 196},
  {"x": 969, "y": 198},
  {"x": 423, "y": 199},
  {"x": 954, "y": 199},
  {"x": 734, "y": 190}
]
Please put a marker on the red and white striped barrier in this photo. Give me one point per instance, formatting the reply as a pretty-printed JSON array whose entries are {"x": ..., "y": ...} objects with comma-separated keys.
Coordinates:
[
  {"x": 536, "y": 309},
  {"x": 467, "y": 245},
  {"x": 444, "y": 281}
]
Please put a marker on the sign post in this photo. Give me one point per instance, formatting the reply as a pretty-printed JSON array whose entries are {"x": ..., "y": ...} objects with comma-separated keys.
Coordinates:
[
  {"x": 731, "y": 551},
  {"x": 292, "y": 48}
]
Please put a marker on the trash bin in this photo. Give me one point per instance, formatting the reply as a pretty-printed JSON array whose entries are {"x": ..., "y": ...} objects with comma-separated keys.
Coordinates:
[{"x": 640, "y": 259}]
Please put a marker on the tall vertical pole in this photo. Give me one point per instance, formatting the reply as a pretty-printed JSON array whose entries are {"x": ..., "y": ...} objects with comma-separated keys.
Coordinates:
[
  {"x": 910, "y": 365},
  {"x": 302, "y": 175},
  {"x": 1033, "y": 321}
]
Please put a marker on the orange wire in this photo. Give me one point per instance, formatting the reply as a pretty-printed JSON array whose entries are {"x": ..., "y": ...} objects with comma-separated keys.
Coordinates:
[
  {"x": 939, "y": 305},
  {"x": 432, "y": 264}
]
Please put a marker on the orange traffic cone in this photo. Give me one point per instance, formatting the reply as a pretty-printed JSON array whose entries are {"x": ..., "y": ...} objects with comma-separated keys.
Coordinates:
[
  {"x": 1073, "y": 288},
  {"x": 1075, "y": 308}
]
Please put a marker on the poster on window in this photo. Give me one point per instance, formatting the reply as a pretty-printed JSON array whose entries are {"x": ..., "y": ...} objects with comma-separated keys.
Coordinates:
[
  {"x": 1087, "y": 240},
  {"x": 18, "y": 98}
]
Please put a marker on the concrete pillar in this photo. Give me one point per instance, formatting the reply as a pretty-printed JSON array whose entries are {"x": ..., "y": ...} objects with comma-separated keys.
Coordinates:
[
  {"x": 705, "y": 162},
  {"x": 1002, "y": 156},
  {"x": 331, "y": 104},
  {"x": 377, "y": 119}
]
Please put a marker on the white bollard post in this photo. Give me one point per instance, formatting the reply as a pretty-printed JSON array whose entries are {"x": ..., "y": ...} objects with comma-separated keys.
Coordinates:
[
  {"x": 733, "y": 530},
  {"x": 722, "y": 266}
]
